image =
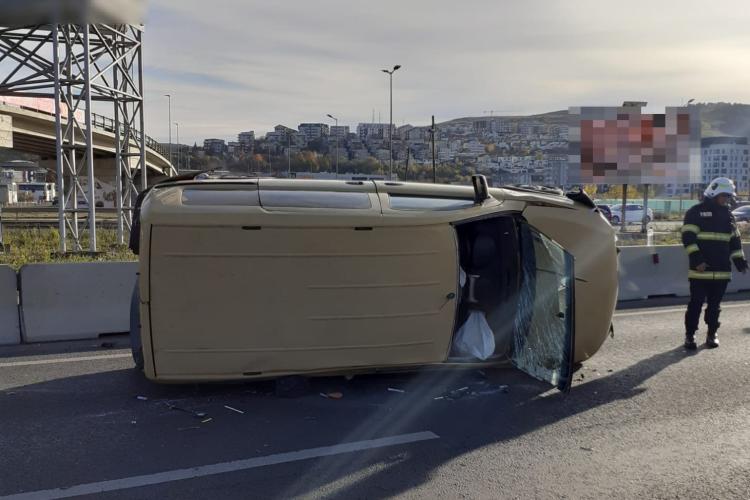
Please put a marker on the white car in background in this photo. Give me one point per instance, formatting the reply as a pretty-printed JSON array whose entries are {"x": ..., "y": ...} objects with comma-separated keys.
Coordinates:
[{"x": 633, "y": 214}]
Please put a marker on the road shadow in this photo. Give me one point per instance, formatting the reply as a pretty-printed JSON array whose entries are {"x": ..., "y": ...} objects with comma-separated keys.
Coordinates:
[{"x": 524, "y": 411}]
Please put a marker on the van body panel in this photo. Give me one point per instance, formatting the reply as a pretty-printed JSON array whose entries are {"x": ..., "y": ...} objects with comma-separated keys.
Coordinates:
[{"x": 286, "y": 299}]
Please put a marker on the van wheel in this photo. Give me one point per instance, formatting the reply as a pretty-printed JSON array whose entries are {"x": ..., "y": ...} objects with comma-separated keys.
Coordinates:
[
  {"x": 615, "y": 219},
  {"x": 135, "y": 328}
]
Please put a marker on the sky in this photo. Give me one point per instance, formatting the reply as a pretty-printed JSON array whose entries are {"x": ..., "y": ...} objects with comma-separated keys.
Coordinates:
[{"x": 237, "y": 65}]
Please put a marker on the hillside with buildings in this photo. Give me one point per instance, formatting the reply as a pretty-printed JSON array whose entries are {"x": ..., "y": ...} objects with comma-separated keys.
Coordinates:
[
  {"x": 724, "y": 119},
  {"x": 509, "y": 149}
]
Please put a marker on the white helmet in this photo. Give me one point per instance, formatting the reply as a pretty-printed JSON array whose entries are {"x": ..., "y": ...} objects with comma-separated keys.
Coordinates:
[{"x": 720, "y": 185}]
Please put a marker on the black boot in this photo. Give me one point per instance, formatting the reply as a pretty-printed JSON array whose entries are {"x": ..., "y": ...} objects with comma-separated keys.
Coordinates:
[
  {"x": 712, "y": 339},
  {"x": 690, "y": 341}
]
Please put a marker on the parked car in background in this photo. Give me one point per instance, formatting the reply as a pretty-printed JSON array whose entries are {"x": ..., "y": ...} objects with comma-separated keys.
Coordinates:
[
  {"x": 605, "y": 211},
  {"x": 633, "y": 214},
  {"x": 742, "y": 214}
]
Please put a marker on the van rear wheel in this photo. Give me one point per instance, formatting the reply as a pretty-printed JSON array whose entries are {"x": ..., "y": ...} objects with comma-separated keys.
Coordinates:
[{"x": 136, "y": 347}]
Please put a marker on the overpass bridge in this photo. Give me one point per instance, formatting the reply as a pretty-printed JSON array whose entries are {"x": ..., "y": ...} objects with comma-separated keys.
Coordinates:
[{"x": 31, "y": 123}]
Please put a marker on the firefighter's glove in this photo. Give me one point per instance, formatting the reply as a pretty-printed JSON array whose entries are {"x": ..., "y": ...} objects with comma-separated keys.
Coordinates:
[{"x": 741, "y": 265}]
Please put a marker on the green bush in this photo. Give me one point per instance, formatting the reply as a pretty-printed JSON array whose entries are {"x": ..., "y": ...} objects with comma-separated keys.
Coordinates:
[{"x": 35, "y": 245}]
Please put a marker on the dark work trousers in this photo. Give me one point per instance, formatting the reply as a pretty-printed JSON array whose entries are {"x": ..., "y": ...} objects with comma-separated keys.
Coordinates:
[{"x": 710, "y": 291}]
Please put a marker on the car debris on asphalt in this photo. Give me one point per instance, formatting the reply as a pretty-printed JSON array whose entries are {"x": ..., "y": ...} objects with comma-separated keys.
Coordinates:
[
  {"x": 483, "y": 388},
  {"x": 196, "y": 414}
]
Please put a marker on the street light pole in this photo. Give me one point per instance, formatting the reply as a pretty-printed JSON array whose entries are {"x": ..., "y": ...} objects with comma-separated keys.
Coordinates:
[
  {"x": 169, "y": 96},
  {"x": 178, "y": 145},
  {"x": 336, "y": 120},
  {"x": 390, "y": 126}
]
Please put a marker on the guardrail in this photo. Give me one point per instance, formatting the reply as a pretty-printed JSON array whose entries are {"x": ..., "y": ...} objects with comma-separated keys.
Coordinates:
[
  {"x": 97, "y": 120},
  {"x": 108, "y": 124}
]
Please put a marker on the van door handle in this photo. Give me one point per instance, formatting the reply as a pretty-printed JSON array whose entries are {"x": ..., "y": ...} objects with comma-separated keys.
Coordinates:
[{"x": 448, "y": 298}]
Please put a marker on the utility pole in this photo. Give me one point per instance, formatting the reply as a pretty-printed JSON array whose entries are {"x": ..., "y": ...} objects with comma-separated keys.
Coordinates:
[
  {"x": 432, "y": 139},
  {"x": 406, "y": 167},
  {"x": 268, "y": 150},
  {"x": 336, "y": 120}
]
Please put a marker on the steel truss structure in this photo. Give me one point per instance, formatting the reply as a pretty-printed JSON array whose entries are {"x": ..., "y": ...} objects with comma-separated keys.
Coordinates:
[{"x": 76, "y": 65}]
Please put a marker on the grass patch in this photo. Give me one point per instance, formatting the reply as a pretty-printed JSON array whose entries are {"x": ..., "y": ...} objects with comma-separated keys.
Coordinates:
[{"x": 40, "y": 245}]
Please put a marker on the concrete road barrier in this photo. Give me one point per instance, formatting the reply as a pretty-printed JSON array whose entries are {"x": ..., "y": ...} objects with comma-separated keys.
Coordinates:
[
  {"x": 662, "y": 271},
  {"x": 10, "y": 330},
  {"x": 75, "y": 301},
  {"x": 80, "y": 301},
  {"x": 653, "y": 271}
]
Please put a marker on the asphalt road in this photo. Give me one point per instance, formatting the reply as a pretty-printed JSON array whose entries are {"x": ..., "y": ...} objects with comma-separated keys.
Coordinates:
[{"x": 644, "y": 419}]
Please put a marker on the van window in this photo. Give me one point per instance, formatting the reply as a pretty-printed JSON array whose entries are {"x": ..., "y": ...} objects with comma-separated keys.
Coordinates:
[
  {"x": 400, "y": 202},
  {"x": 314, "y": 199},
  {"x": 220, "y": 197}
]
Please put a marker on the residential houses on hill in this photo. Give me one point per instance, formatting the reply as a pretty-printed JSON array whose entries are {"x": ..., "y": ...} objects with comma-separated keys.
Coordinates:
[{"x": 509, "y": 150}]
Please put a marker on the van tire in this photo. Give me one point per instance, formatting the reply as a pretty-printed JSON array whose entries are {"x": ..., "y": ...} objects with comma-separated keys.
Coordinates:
[{"x": 136, "y": 347}]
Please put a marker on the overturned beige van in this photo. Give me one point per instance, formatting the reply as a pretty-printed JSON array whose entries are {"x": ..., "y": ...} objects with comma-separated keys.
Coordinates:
[{"x": 260, "y": 278}]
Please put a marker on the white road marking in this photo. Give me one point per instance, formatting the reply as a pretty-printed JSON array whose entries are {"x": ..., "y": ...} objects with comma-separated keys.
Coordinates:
[
  {"x": 64, "y": 360},
  {"x": 673, "y": 310},
  {"x": 221, "y": 468}
]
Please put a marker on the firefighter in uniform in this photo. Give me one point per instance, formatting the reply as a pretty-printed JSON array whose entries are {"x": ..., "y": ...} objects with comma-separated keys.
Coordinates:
[{"x": 712, "y": 242}]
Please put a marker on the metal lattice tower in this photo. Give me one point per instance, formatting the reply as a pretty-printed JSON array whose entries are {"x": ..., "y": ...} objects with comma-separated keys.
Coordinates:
[{"x": 77, "y": 64}]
